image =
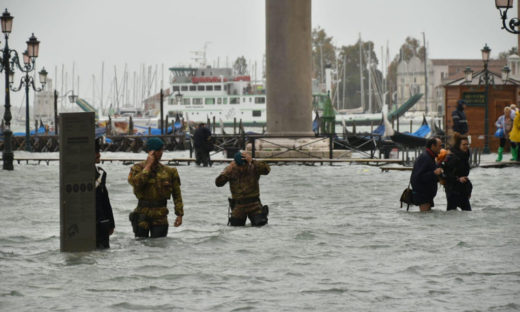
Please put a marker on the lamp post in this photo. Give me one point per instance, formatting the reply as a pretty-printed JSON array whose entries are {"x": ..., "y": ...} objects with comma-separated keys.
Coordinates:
[
  {"x": 72, "y": 99},
  {"x": 8, "y": 66},
  {"x": 486, "y": 79},
  {"x": 29, "y": 59},
  {"x": 7, "y": 154},
  {"x": 512, "y": 25}
]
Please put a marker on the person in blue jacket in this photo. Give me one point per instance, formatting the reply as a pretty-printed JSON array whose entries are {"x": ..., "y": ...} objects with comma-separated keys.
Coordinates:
[
  {"x": 460, "y": 122},
  {"x": 425, "y": 175}
]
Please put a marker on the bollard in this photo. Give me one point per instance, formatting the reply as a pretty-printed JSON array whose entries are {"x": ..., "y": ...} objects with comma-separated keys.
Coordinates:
[{"x": 253, "y": 148}]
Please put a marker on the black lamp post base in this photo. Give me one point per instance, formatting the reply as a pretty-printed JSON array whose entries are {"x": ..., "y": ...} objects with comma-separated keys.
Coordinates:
[{"x": 7, "y": 154}]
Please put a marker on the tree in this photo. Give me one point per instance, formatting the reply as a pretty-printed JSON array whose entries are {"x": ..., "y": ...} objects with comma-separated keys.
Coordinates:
[
  {"x": 323, "y": 53},
  {"x": 503, "y": 55},
  {"x": 352, "y": 81},
  {"x": 240, "y": 66}
]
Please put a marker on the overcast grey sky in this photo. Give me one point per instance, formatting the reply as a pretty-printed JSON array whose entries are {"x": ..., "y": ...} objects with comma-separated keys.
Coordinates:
[{"x": 165, "y": 31}]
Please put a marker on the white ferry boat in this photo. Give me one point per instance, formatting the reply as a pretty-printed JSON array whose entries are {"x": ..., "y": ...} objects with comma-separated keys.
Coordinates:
[{"x": 199, "y": 94}]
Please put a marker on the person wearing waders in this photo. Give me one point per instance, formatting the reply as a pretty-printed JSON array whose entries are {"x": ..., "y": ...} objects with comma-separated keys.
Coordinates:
[
  {"x": 153, "y": 184},
  {"x": 425, "y": 175},
  {"x": 243, "y": 174}
]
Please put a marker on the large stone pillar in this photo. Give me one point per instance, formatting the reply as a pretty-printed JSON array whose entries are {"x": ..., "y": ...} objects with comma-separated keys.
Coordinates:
[{"x": 289, "y": 68}]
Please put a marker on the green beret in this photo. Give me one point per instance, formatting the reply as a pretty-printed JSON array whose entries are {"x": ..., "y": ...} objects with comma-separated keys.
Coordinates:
[
  {"x": 154, "y": 144},
  {"x": 238, "y": 159}
]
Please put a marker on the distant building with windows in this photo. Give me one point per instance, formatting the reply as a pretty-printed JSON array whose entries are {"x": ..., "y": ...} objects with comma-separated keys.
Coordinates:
[{"x": 411, "y": 78}]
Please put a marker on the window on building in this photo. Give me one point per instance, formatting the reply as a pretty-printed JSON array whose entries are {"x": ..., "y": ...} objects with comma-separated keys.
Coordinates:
[
  {"x": 257, "y": 113},
  {"x": 172, "y": 101},
  {"x": 225, "y": 100},
  {"x": 209, "y": 88},
  {"x": 218, "y": 88},
  {"x": 175, "y": 88},
  {"x": 219, "y": 100},
  {"x": 184, "y": 88},
  {"x": 234, "y": 100},
  {"x": 193, "y": 88},
  {"x": 209, "y": 101},
  {"x": 259, "y": 100},
  {"x": 186, "y": 101},
  {"x": 197, "y": 101},
  {"x": 200, "y": 88}
]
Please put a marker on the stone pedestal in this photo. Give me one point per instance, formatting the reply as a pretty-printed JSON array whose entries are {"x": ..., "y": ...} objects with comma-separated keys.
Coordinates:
[{"x": 295, "y": 148}]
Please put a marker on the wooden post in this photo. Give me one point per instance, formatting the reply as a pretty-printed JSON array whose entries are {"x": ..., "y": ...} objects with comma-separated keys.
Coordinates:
[
  {"x": 371, "y": 127},
  {"x": 234, "y": 126},
  {"x": 55, "y": 112},
  {"x": 411, "y": 126},
  {"x": 397, "y": 124},
  {"x": 213, "y": 124},
  {"x": 331, "y": 147},
  {"x": 130, "y": 126},
  {"x": 354, "y": 126},
  {"x": 162, "y": 111}
]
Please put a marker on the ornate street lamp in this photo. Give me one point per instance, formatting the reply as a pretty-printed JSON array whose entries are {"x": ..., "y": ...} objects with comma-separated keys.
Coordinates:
[
  {"x": 7, "y": 22},
  {"x": 468, "y": 75},
  {"x": 505, "y": 74},
  {"x": 486, "y": 79},
  {"x": 512, "y": 25},
  {"x": 72, "y": 99},
  {"x": 28, "y": 81},
  {"x": 9, "y": 61}
]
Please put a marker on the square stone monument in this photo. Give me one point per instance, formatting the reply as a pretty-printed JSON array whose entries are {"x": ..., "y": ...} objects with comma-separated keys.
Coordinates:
[{"x": 77, "y": 185}]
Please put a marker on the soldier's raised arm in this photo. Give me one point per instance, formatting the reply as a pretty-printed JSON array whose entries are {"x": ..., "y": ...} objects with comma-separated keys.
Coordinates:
[{"x": 138, "y": 176}]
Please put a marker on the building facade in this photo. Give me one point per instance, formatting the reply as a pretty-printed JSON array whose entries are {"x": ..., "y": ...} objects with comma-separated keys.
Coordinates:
[{"x": 411, "y": 79}]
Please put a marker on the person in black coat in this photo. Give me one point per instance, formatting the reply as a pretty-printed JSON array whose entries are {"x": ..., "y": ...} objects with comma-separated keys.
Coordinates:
[
  {"x": 203, "y": 145},
  {"x": 458, "y": 187},
  {"x": 460, "y": 122},
  {"x": 105, "y": 224},
  {"x": 425, "y": 174}
]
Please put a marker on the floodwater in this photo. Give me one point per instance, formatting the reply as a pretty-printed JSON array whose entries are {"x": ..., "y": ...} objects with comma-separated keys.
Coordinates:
[{"x": 337, "y": 240}]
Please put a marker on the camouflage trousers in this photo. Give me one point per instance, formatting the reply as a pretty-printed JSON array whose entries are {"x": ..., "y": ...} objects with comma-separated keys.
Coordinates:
[
  {"x": 146, "y": 220},
  {"x": 254, "y": 211}
]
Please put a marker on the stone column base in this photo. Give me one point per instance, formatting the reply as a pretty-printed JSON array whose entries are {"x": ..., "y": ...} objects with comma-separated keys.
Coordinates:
[{"x": 295, "y": 148}]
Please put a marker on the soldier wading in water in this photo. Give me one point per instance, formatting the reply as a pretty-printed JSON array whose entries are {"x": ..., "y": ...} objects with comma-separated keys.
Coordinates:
[
  {"x": 243, "y": 174},
  {"x": 153, "y": 185}
]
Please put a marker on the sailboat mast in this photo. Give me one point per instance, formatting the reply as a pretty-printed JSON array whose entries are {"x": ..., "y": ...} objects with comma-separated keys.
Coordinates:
[
  {"x": 425, "y": 76},
  {"x": 102, "y": 81},
  {"x": 369, "y": 66},
  {"x": 361, "y": 73}
]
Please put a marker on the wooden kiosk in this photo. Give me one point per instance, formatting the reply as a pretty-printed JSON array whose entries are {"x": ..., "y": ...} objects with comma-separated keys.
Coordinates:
[{"x": 499, "y": 95}]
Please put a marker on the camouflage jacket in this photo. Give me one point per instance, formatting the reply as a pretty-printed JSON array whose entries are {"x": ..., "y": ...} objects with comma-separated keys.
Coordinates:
[
  {"x": 243, "y": 180},
  {"x": 157, "y": 184}
]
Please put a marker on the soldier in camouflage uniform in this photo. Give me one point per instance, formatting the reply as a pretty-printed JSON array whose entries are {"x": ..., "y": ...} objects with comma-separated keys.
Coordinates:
[
  {"x": 153, "y": 185},
  {"x": 243, "y": 174}
]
